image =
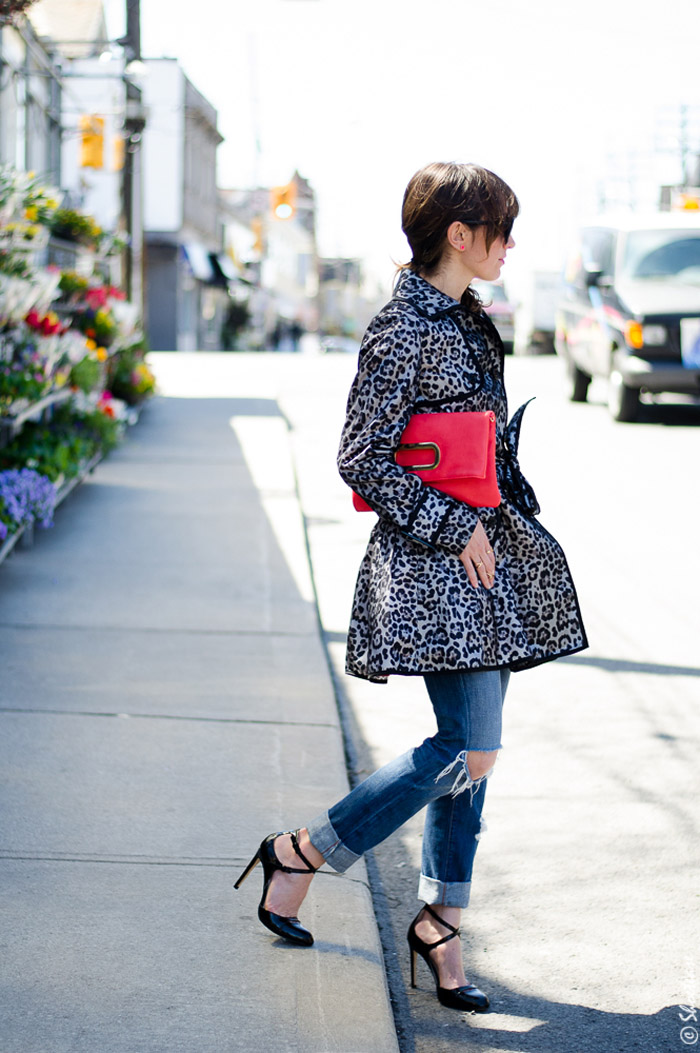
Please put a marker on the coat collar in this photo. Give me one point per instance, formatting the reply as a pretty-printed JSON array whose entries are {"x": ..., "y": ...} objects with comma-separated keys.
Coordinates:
[{"x": 422, "y": 296}]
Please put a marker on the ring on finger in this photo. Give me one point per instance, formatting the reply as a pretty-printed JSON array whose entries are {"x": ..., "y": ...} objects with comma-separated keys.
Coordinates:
[{"x": 477, "y": 565}]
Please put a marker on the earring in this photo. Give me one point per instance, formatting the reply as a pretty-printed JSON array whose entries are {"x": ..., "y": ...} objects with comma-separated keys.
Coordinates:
[{"x": 461, "y": 248}]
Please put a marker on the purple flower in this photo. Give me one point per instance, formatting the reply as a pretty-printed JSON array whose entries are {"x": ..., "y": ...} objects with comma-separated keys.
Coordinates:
[{"x": 27, "y": 496}]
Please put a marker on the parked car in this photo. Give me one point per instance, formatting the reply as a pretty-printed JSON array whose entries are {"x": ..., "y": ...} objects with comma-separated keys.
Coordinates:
[
  {"x": 535, "y": 319},
  {"x": 499, "y": 309},
  {"x": 630, "y": 309}
]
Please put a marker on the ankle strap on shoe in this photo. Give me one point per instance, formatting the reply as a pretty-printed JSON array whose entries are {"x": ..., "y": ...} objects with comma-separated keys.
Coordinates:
[
  {"x": 441, "y": 921},
  {"x": 297, "y": 849}
]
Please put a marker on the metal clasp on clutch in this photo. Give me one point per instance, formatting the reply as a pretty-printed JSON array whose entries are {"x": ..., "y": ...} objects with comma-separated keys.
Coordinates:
[{"x": 421, "y": 446}]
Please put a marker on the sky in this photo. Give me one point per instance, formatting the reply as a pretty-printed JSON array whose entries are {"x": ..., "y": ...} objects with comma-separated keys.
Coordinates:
[{"x": 559, "y": 97}]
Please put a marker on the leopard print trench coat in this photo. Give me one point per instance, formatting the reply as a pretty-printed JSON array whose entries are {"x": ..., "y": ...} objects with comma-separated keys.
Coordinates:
[{"x": 414, "y": 610}]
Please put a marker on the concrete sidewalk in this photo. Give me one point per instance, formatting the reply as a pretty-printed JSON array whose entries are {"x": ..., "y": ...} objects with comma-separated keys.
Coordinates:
[{"x": 165, "y": 702}]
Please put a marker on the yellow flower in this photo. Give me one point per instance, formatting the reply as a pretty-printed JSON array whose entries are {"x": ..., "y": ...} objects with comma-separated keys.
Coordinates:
[
  {"x": 32, "y": 212},
  {"x": 91, "y": 345},
  {"x": 60, "y": 379},
  {"x": 50, "y": 203},
  {"x": 101, "y": 354}
]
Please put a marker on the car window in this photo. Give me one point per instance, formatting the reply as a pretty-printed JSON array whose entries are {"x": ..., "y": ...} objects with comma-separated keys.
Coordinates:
[
  {"x": 598, "y": 249},
  {"x": 595, "y": 250},
  {"x": 662, "y": 254}
]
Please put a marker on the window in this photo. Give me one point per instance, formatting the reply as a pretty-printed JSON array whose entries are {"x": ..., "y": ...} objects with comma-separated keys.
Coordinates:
[{"x": 662, "y": 254}]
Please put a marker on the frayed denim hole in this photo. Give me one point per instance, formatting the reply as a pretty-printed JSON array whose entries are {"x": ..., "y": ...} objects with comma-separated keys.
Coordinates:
[{"x": 463, "y": 780}]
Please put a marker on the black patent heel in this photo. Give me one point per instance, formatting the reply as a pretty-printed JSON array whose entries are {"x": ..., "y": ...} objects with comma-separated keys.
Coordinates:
[
  {"x": 288, "y": 928},
  {"x": 251, "y": 866},
  {"x": 469, "y": 997}
]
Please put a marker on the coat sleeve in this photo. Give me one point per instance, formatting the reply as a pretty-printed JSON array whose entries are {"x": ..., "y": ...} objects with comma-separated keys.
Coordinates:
[{"x": 379, "y": 407}]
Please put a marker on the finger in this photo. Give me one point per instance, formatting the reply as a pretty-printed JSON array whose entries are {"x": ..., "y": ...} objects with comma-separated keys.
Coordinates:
[
  {"x": 486, "y": 570},
  {"x": 471, "y": 573},
  {"x": 486, "y": 577},
  {"x": 481, "y": 571}
]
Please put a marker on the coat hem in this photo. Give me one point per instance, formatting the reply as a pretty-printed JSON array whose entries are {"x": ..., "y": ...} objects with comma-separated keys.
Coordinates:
[{"x": 516, "y": 665}]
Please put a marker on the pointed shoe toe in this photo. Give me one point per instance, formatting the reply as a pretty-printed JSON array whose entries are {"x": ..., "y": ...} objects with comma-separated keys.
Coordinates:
[
  {"x": 289, "y": 929},
  {"x": 469, "y": 998}
]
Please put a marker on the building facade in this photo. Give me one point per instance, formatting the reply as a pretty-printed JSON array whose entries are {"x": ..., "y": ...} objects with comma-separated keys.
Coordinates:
[
  {"x": 186, "y": 272},
  {"x": 30, "y": 102}
]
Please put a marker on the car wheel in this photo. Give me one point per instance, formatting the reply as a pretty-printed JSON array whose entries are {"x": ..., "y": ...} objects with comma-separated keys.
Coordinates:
[
  {"x": 623, "y": 401},
  {"x": 578, "y": 382}
]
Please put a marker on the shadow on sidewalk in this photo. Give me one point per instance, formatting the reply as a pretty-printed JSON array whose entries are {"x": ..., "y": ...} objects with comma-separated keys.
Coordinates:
[{"x": 554, "y": 1027}]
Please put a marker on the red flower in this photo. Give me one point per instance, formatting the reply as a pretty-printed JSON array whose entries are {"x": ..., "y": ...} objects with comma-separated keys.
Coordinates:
[{"x": 96, "y": 297}]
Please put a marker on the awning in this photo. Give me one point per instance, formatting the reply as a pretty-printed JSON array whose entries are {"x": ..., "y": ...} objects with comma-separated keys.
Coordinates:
[
  {"x": 198, "y": 258},
  {"x": 226, "y": 265}
]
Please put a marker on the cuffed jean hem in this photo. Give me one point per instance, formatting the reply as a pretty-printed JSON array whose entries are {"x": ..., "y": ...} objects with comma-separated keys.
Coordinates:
[
  {"x": 444, "y": 893},
  {"x": 325, "y": 840}
]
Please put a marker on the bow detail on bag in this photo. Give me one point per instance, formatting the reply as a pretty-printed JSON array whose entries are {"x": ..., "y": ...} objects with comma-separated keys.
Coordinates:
[{"x": 513, "y": 483}]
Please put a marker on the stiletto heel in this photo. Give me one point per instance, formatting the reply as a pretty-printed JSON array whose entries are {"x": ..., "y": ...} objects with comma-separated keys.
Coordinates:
[
  {"x": 288, "y": 928},
  {"x": 251, "y": 866},
  {"x": 468, "y": 997}
]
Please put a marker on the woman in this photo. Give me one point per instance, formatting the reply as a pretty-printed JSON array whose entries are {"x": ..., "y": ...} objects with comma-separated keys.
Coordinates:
[{"x": 457, "y": 594}]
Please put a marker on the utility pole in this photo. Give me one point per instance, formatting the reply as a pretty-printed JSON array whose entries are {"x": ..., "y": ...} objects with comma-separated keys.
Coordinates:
[{"x": 132, "y": 189}]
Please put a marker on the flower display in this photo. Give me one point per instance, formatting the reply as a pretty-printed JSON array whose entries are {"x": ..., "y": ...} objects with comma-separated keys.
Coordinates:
[
  {"x": 47, "y": 324},
  {"x": 23, "y": 379},
  {"x": 67, "y": 331},
  {"x": 22, "y": 194},
  {"x": 20, "y": 295},
  {"x": 26, "y": 497},
  {"x": 98, "y": 324},
  {"x": 71, "y": 225},
  {"x": 129, "y": 377},
  {"x": 72, "y": 285}
]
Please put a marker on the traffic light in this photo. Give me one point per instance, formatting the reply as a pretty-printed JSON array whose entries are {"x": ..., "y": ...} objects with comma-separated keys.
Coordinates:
[
  {"x": 283, "y": 201},
  {"x": 92, "y": 139}
]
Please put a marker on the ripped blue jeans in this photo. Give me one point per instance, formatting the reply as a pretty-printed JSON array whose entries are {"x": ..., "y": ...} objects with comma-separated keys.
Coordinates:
[{"x": 468, "y": 710}]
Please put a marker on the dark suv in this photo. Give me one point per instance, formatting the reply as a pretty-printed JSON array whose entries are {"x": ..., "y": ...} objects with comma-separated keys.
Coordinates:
[{"x": 630, "y": 309}]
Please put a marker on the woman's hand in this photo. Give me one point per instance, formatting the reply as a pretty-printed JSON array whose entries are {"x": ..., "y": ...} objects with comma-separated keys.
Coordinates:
[{"x": 478, "y": 559}]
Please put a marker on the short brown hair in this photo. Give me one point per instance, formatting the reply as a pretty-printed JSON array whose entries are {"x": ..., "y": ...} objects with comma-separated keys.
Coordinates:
[{"x": 444, "y": 193}]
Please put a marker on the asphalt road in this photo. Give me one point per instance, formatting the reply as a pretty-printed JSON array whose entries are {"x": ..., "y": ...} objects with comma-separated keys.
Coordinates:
[{"x": 584, "y": 920}]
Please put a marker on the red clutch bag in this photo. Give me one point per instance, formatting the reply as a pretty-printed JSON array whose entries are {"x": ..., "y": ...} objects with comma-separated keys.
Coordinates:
[{"x": 454, "y": 452}]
